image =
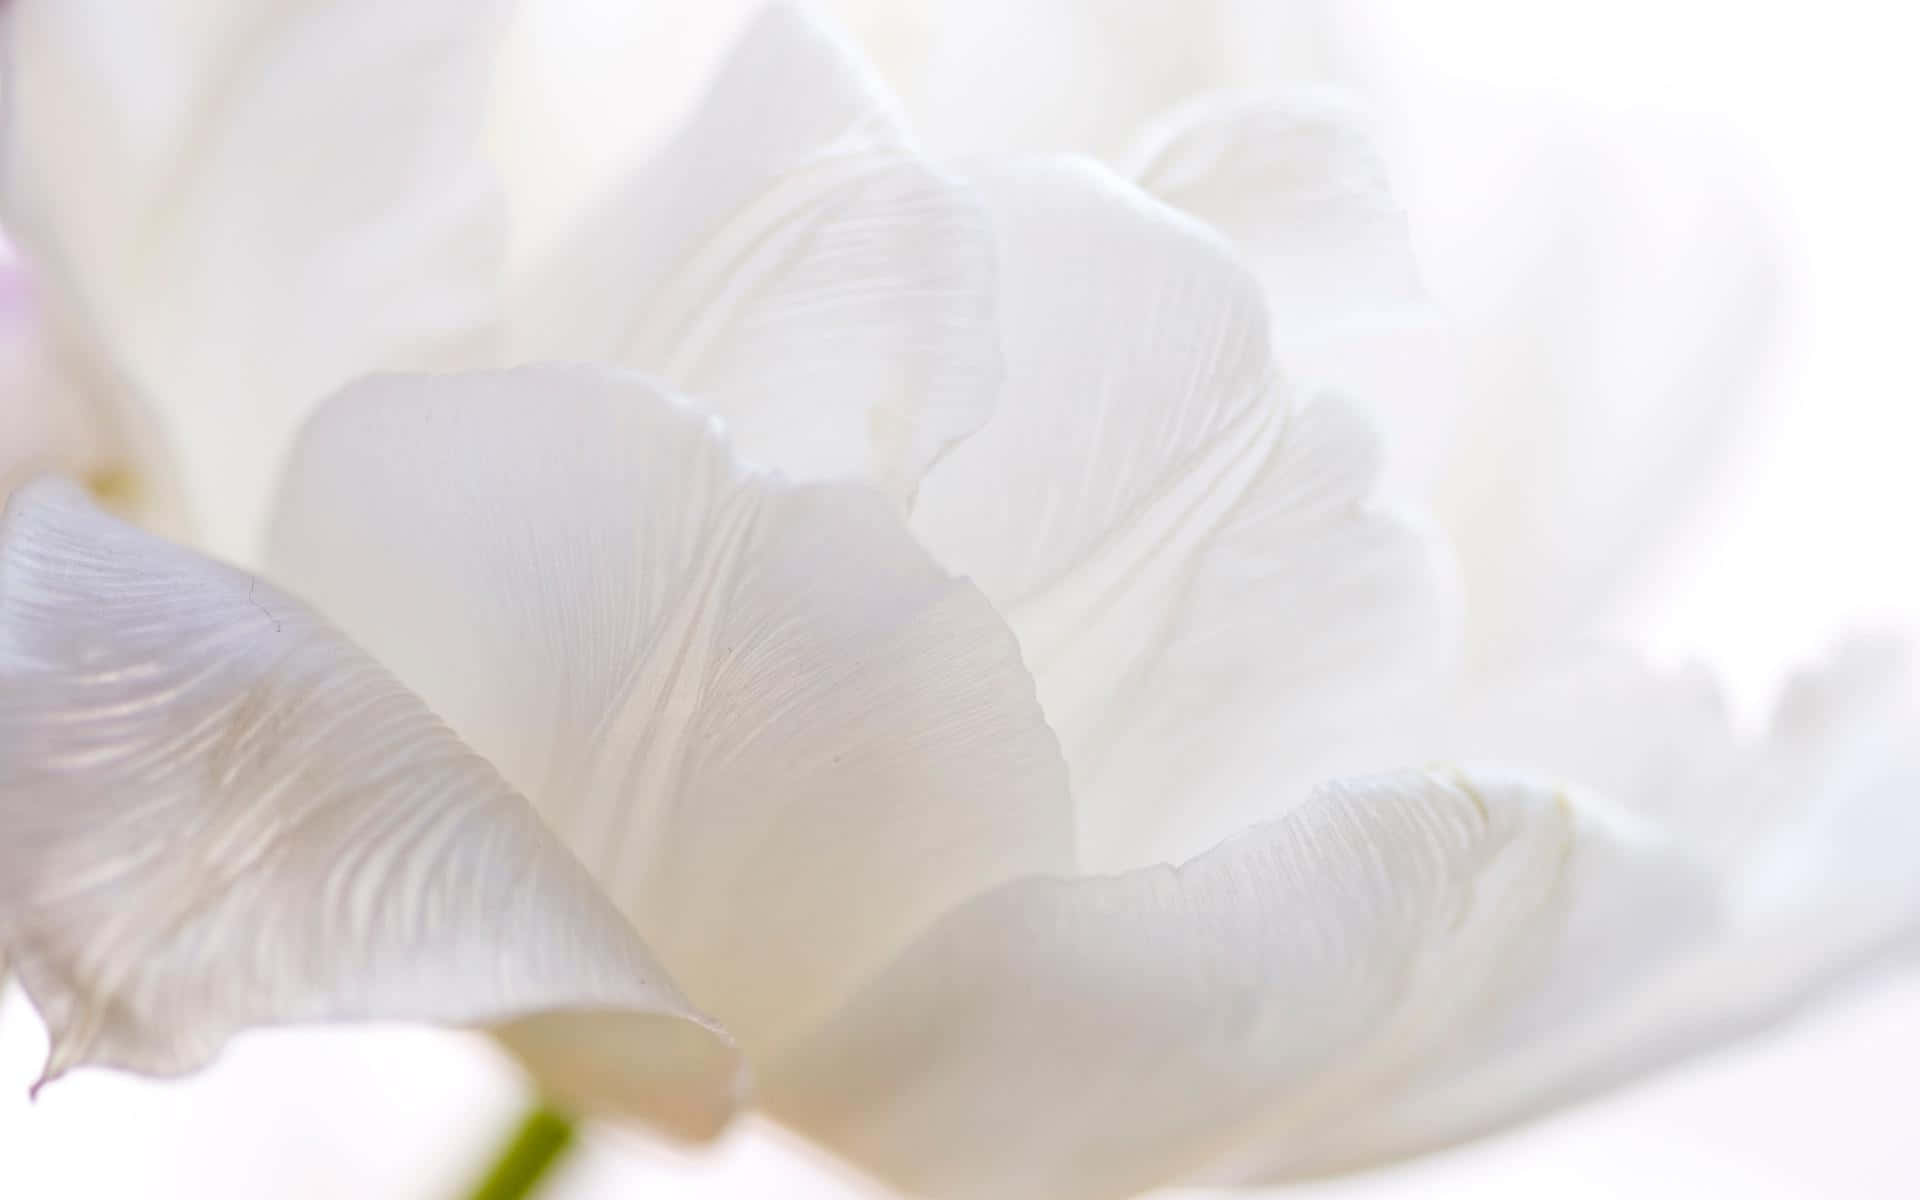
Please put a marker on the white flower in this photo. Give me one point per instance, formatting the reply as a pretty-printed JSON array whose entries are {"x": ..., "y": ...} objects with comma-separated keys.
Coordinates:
[
  {"x": 1605, "y": 303},
  {"x": 802, "y": 792},
  {"x": 241, "y": 260}
]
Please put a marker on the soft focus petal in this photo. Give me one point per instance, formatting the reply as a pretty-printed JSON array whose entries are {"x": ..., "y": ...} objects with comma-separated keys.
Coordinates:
[
  {"x": 1098, "y": 1037},
  {"x": 253, "y": 203},
  {"x": 1827, "y": 885},
  {"x": 63, "y": 410},
  {"x": 1207, "y": 575},
  {"x": 1082, "y": 75},
  {"x": 1618, "y": 302},
  {"x": 778, "y": 734},
  {"x": 1660, "y": 742},
  {"x": 790, "y": 260},
  {"x": 1639, "y": 909},
  {"x": 46, "y": 424},
  {"x": 1295, "y": 183},
  {"x": 220, "y": 814},
  {"x": 1806, "y": 838},
  {"x": 586, "y": 88}
]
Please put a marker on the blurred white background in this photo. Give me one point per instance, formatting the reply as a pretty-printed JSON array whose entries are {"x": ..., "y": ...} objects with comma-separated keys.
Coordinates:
[{"x": 1810, "y": 533}]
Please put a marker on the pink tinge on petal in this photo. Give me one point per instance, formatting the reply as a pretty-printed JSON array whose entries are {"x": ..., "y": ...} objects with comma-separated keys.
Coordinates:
[
  {"x": 46, "y": 423},
  {"x": 66, "y": 409},
  {"x": 15, "y": 293}
]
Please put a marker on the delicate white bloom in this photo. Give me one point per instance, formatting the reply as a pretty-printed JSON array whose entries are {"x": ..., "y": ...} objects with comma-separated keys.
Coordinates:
[
  {"x": 232, "y": 229},
  {"x": 846, "y": 751},
  {"x": 242, "y": 260},
  {"x": 1602, "y": 309},
  {"x": 748, "y": 708}
]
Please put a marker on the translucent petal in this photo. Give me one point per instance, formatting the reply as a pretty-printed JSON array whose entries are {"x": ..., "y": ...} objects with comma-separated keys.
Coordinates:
[
  {"x": 1619, "y": 301},
  {"x": 777, "y": 733},
  {"x": 238, "y": 228},
  {"x": 68, "y": 412},
  {"x": 1194, "y": 564},
  {"x": 1800, "y": 877},
  {"x": 46, "y": 424},
  {"x": 791, "y": 261},
  {"x": 1083, "y": 76},
  {"x": 220, "y": 814},
  {"x": 1296, "y": 183},
  {"x": 1101, "y": 1036}
]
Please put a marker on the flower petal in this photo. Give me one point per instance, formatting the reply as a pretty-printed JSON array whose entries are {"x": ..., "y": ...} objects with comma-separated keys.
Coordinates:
[
  {"x": 64, "y": 411},
  {"x": 1621, "y": 315},
  {"x": 1660, "y": 743},
  {"x": 791, "y": 261},
  {"x": 196, "y": 182},
  {"x": 1099, "y": 1037},
  {"x": 1211, "y": 575},
  {"x": 1082, "y": 76},
  {"x": 220, "y": 814},
  {"x": 1825, "y": 887},
  {"x": 1296, "y": 184},
  {"x": 48, "y": 424},
  {"x": 1801, "y": 876},
  {"x": 585, "y": 88},
  {"x": 776, "y": 732}
]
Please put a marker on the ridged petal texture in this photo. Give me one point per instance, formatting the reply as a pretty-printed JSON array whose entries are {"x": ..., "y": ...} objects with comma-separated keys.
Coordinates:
[
  {"x": 1804, "y": 835},
  {"x": 790, "y": 260},
  {"x": 244, "y": 205},
  {"x": 218, "y": 813},
  {"x": 779, "y": 735},
  {"x": 1101, "y": 1036},
  {"x": 1191, "y": 557}
]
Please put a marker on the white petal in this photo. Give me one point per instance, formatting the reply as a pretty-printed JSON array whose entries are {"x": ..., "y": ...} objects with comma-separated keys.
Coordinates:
[
  {"x": 254, "y": 205},
  {"x": 1098, "y": 1037},
  {"x": 1621, "y": 311},
  {"x": 64, "y": 411},
  {"x": 777, "y": 733},
  {"x": 791, "y": 261},
  {"x": 1833, "y": 861},
  {"x": 1296, "y": 184},
  {"x": 1658, "y": 742},
  {"x": 220, "y": 814},
  {"x": 1805, "y": 840},
  {"x": 584, "y": 88},
  {"x": 1193, "y": 564},
  {"x": 46, "y": 425},
  {"x": 1085, "y": 76},
  {"x": 1639, "y": 911}
]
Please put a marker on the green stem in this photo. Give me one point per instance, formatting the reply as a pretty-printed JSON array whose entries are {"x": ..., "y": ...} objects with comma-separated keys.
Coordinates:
[{"x": 540, "y": 1141}]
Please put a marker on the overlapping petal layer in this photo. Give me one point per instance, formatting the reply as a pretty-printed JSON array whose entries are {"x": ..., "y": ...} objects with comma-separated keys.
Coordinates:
[
  {"x": 45, "y": 425},
  {"x": 1081, "y": 76},
  {"x": 1193, "y": 560},
  {"x": 778, "y": 734},
  {"x": 239, "y": 207},
  {"x": 1100, "y": 1036},
  {"x": 1617, "y": 305},
  {"x": 1297, "y": 183},
  {"x": 1803, "y": 837},
  {"x": 64, "y": 410},
  {"x": 791, "y": 260},
  {"x": 219, "y": 813}
]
